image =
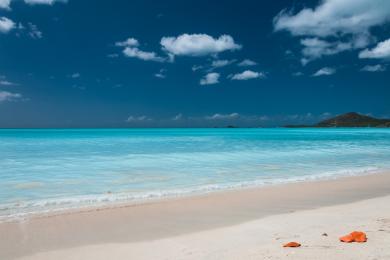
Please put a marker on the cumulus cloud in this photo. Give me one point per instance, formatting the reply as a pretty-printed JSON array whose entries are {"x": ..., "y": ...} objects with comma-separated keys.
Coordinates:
[
  {"x": 298, "y": 74},
  {"x": 347, "y": 23},
  {"x": 131, "y": 119},
  {"x": 326, "y": 71},
  {"x": 221, "y": 63},
  {"x": 314, "y": 48},
  {"x": 131, "y": 50},
  {"x": 44, "y": 2},
  {"x": 381, "y": 51},
  {"x": 248, "y": 74},
  {"x": 6, "y": 25},
  {"x": 196, "y": 67},
  {"x": 246, "y": 63},
  {"x": 130, "y": 42},
  {"x": 223, "y": 116},
  {"x": 334, "y": 17},
  {"x": 215, "y": 64},
  {"x": 9, "y": 96},
  {"x": 4, "y": 82},
  {"x": 142, "y": 55},
  {"x": 113, "y": 55},
  {"x": 34, "y": 32},
  {"x": 210, "y": 78},
  {"x": 183, "y": 45},
  {"x": 29, "y": 29},
  {"x": 177, "y": 117},
  {"x": 161, "y": 74},
  {"x": 75, "y": 75},
  {"x": 374, "y": 68},
  {"x": 4, "y": 4},
  {"x": 198, "y": 44}
]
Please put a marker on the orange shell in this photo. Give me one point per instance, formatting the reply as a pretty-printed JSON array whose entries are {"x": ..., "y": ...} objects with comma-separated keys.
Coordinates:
[
  {"x": 292, "y": 244},
  {"x": 355, "y": 236}
]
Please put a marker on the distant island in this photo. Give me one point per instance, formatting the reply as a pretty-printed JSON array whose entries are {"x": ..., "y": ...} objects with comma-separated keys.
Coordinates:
[{"x": 351, "y": 119}]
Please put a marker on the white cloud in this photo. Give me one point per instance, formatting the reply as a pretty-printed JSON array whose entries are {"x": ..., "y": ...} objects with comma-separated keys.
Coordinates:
[
  {"x": 6, "y": 25},
  {"x": 4, "y": 82},
  {"x": 248, "y": 74},
  {"x": 214, "y": 65},
  {"x": 9, "y": 96},
  {"x": 223, "y": 116},
  {"x": 196, "y": 67},
  {"x": 326, "y": 71},
  {"x": 198, "y": 44},
  {"x": 325, "y": 115},
  {"x": 185, "y": 44},
  {"x": 113, "y": 55},
  {"x": 210, "y": 78},
  {"x": 44, "y": 2},
  {"x": 316, "y": 48},
  {"x": 246, "y": 63},
  {"x": 76, "y": 86},
  {"x": 374, "y": 68},
  {"x": 28, "y": 29},
  {"x": 131, "y": 50},
  {"x": 381, "y": 51},
  {"x": 142, "y": 55},
  {"x": 346, "y": 22},
  {"x": 118, "y": 86},
  {"x": 131, "y": 119},
  {"x": 161, "y": 74},
  {"x": 177, "y": 117},
  {"x": 75, "y": 75},
  {"x": 298, "y": 74},
  {"x": 221, "y": 63},
  {"x": 34, "y": 32},
  {"x": 4, "y": 4},
  {"x": 130, "y": 42},
  {"x": 334, "y": 17}
]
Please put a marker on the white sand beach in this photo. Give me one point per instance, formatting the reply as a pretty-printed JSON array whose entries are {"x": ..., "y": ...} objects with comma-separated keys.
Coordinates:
[{"x": 245, "y": 224}]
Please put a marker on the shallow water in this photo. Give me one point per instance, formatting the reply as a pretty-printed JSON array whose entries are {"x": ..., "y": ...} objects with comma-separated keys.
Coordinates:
[{"x": 51, "y": 169}]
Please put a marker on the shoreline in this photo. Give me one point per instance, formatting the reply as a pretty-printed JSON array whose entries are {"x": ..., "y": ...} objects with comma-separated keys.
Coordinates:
[
  {"x": 210, "y": 190},
  {"x": 180, "y": 216}
]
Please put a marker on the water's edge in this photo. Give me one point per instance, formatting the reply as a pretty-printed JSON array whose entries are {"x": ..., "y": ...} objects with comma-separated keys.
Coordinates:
[{"x": 110, "y": 201}]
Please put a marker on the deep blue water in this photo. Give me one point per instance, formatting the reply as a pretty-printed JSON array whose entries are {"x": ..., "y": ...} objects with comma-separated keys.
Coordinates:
[{"x": 50, "y": 169}]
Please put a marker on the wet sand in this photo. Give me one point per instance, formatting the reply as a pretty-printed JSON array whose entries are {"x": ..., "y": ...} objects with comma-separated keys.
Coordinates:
[{"x": 251, "y": 223}]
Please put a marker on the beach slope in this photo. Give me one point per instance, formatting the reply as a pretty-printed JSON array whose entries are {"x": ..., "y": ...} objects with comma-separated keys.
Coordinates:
[{"x": 247, "y": 224}]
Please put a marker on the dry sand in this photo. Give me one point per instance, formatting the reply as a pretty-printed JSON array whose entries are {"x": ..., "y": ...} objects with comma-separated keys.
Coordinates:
[{"x": 247, "y": 224}]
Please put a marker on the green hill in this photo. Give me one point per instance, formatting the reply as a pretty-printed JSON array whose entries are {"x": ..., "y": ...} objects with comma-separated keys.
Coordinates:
[
  {"x": 354, "y": 119},
  {"x": 351, "y": 119}
]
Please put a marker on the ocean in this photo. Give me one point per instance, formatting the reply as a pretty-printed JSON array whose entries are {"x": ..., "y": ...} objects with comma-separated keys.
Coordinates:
[{"x": 46, "y": 170}]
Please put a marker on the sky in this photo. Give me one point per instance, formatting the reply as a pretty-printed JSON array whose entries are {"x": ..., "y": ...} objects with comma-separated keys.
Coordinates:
[{"x": 144, "y": 63}]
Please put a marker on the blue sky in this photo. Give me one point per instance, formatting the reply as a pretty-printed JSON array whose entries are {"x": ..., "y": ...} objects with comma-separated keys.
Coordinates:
[{"x": 191, "y": 63}]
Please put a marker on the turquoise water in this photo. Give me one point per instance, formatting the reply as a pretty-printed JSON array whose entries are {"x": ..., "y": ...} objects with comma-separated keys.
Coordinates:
[{"x": 45, "y": 170}]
